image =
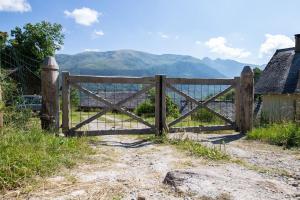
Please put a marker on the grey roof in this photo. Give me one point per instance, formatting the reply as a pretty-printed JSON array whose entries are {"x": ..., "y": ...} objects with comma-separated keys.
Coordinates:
[
  {"x": 281, "y": 74},
  {"x": 113, "y": 97}
]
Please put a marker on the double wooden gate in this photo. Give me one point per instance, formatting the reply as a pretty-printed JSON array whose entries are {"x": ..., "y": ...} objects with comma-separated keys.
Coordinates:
[{"x": 100, "y": 105}]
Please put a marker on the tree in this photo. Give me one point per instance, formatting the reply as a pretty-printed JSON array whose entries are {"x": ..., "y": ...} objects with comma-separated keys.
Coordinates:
[
  {"x": 257, "y": 73},
  {"x": 3, "y": 39},
  {"x": 36, "y": 41}
]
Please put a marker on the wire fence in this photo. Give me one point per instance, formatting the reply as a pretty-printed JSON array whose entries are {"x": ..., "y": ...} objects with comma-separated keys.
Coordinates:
[
  {"x": 199, "y": 115},
  {"x": 87, "y": 106}
]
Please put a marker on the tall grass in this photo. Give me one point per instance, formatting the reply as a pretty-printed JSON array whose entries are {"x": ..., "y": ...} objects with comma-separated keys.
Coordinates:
[
  {"x": 26, "y": 153},
  {"x": 283, "y": 134}
]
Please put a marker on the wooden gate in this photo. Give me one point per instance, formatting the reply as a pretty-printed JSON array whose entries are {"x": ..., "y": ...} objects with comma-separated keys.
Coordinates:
[{"x": 178, "y": 104}]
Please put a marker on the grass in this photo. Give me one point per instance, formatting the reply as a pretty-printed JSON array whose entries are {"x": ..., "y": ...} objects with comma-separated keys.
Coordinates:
[
  {"x": 193, "y": 147},
  {"x": 30, "y": 152},
  {"x": 283, "y": 134}
]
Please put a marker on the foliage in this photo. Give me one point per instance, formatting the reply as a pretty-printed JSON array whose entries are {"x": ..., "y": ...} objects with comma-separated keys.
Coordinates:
[
  {"x": 283, "y": 134},
  {"x": 33, "y": 42},
  {"x": 32, "y": 152},
  {"x": 3, "y": 39},
  {"x": 203, "y": 115},
  {"x": 75, "y": 98},
  {"x": 192, "y": 147},
  {"x": 257, "y": 73},
  {"x": 38, "y": 40},
  {"x": 147, "y": 108}
]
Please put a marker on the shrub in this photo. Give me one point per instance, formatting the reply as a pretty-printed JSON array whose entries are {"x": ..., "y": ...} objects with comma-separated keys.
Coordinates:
[
  {"x": 283, "y": 134},
  {"x": 147, "y": 108},
  {"x": 203, "y": 115}
]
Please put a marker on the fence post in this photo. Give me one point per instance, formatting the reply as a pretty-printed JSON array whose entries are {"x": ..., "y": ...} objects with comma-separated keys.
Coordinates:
[
  {"x": 237, "y": 102},
  {"x": 50, "y": 94},
  {"x": 160, "y": 104},
  {"x": 65, "y": 102},
  {"x": 247, "y": 99}
]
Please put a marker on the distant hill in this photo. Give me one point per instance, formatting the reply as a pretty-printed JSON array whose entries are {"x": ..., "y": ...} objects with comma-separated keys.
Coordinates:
[
  {"x": 136, "y": 63},
  {"x": 229, "y": 68}
]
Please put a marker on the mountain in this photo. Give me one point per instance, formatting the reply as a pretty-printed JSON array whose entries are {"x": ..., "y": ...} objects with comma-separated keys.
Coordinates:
[
  {"x": 230, "y": 68},
  {"x": 136, "y": 63}
]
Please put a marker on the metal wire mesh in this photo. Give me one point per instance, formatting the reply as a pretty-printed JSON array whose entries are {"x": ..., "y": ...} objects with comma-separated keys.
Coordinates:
[
  {"x": 201, "y": 116},
  {"x": 112, "y": 119}
]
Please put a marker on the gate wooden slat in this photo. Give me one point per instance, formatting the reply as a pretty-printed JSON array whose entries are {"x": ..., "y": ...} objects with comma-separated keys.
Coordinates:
[
  {"x": 111, "y": 79},
  {"x": 201, "y": 128},
  {"x": 115, "y": 132},
  {"x": 113, "y": 106},
  {"x": 198, "y": 81},
  {"x": 120, "y": 103},
  {"x": 199, "y": 104}
]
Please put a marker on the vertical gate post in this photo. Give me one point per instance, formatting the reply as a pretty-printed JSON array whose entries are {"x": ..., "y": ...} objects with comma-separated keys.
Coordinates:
[
  {"x": 160, "y": 104},
  {"x": 65, "y": 102},
  {"x": 247, "y": 99},
  {"x": 50, "y": 94},
  {"x": 237, "y": 102}
]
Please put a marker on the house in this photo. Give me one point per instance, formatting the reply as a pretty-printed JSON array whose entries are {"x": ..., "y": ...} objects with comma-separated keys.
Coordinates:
[{"x": 279, "y": 85}]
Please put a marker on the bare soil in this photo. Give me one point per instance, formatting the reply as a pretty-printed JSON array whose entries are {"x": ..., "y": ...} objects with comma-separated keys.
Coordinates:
[{"x": 127, "y": 167}]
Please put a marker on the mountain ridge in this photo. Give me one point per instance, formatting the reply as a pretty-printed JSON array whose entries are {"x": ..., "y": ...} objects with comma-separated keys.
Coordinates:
[{"x": 138, "y": 63}]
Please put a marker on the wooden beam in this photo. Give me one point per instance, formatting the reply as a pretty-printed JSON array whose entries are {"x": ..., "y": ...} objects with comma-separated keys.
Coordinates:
[
  {"x": 65, "y": 102},
  {"x": 114, "y": 132},
  {"x": 111, "y": 79},
  {"x": 113, "y": 106},
  {"x": 201, "y": 128},
  {"x": 50, "y": 94},
  {"x": 247, "y": 99},
  {"x": 197, "y": 81},
  {"x": 237, "y": 102}
]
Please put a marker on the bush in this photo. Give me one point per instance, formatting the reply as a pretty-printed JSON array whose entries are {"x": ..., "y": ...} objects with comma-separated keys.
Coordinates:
[
  {"x": 203, "y": 115},
  {"x": 284, "y": 134},
  {"x": 32, "y": 152},
  {"x": 147, "y": 108}
]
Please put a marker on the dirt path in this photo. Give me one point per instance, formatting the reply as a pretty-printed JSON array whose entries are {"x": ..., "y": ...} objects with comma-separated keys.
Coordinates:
[{"x": 126, "y": 167}]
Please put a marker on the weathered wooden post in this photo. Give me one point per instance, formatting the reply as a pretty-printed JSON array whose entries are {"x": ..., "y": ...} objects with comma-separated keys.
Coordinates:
[
  {"x": 50, "y": 94},
  {"x": 65, "y": 102},
  {"x": 237, "y": 102},
  {"x": 160, "y": 104},
  {"x": 247, "y": 99}
]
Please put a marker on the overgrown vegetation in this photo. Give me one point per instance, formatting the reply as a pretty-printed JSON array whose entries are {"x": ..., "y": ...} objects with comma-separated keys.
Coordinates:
[
  {"x": 29, "y": 152},
  {"x": 193, "y": 147},
  {"x": 26, "y": 151},
  {"x": 283, "y": 134}
]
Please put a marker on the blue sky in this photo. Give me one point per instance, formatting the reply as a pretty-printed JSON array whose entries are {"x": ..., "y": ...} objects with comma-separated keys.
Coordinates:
[{"x": 244, "y": 30}]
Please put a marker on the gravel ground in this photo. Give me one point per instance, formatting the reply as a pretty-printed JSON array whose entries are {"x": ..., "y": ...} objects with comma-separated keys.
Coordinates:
[{"x": 127, "y": 167}]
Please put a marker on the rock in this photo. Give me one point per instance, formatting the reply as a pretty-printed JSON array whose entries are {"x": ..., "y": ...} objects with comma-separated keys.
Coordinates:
[
  {"x": 141, "y": 198},
  {"x": 176, "y": 178}
]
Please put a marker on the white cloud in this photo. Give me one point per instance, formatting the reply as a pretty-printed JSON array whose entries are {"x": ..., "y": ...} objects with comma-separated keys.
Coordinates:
[
  {"x": 93, "y": 50},
  {"x": 97, "y": 33},
  {"x": 84, "y": 16},
  {"x": 198, "y": 42},
  {"x": 274, "y": 42},
  {"x": 15, "y": 5},
  {"x": 220, "y": 46},
  {"x": 163, "y": 35}
]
